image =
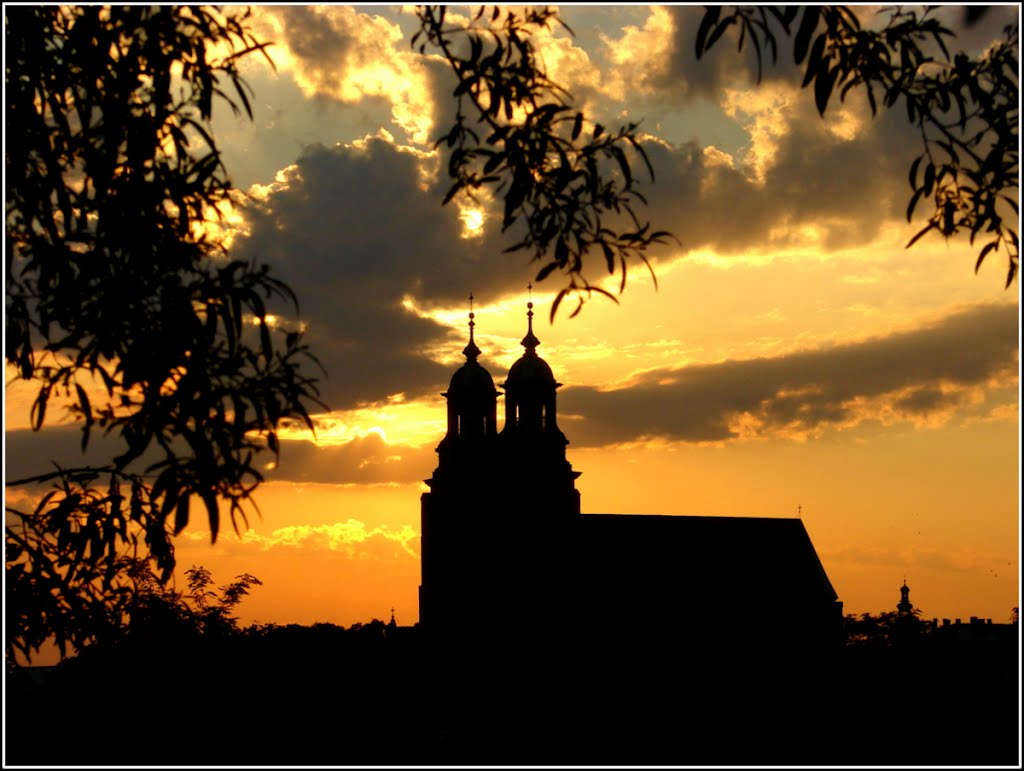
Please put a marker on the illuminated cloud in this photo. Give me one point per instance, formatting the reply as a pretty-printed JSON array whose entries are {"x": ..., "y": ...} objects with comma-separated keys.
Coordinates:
[
  {"x": 342, "y": 53},
  {"x": 921, "y": 377},
  {"x": 764, "y": 112},
  {"x": 351, "y": 539},
  {"x": 639, "y": 58}
]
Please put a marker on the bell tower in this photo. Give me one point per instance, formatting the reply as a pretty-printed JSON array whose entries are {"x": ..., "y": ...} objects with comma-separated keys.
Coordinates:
[
  {"x": 456, "y": 514},
  {"x": 533, "y": 446},
  {"x": 498, "y": 520}
]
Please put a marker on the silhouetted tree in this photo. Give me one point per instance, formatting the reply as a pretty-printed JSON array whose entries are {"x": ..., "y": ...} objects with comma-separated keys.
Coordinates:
[
  {"x": 566, "y": 183},
  {"x": 121, "y": 301},
  {"x": 885, "y": 629},
  {"x": 869, "y": 631},
  {"x": 967, "y": 109}
]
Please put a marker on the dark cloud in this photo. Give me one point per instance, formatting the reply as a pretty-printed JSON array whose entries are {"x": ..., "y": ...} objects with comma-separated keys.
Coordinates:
[
  {"x": 313, "y": 39},
  {"x": 688, "y": 78},
  {"x": 802, "y": 390},
  {"x": 926, "y": 399},
  {"x": 848, "y": 188},
  {"x": 353, "y": 233},
  {"x": 367, "y": 460},
  {"x": 32, "y": 453}
]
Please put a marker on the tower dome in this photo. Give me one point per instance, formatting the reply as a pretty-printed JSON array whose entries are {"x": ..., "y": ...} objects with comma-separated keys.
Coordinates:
[
  {"x": 471, "y": 380},
  {"x": 472, "y": 397},
  {"x": 530, "y": 389}
]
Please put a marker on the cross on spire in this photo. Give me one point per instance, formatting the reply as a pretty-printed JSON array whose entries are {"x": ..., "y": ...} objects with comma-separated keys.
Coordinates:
[
  {"x": 530, "y": 342},
  {"x": 471, "y": 351}
]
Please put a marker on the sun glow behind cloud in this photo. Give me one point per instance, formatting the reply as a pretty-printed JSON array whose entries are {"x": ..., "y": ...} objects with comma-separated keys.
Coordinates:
[{"x": 472, "y": 221}]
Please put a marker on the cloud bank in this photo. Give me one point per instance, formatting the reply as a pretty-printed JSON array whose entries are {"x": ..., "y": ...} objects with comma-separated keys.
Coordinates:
[{"x": 906, "y": 376}]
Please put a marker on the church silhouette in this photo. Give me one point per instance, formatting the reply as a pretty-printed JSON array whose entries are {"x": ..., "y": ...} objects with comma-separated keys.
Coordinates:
[{"x": 508, "y": 556}]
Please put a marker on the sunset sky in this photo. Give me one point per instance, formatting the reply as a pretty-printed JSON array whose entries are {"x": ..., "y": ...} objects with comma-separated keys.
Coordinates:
[{"x": 795, "y": 358}]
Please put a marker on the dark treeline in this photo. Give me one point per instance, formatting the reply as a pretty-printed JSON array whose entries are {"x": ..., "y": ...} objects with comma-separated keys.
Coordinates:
[{"x": 379, "y": 694}]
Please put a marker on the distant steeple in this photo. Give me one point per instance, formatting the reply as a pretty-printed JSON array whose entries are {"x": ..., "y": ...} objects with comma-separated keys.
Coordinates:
[{"x": 904, "y": 606}]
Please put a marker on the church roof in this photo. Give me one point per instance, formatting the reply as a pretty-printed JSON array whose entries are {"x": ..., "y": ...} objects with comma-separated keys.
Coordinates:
[{"x": 728, "y": 557}]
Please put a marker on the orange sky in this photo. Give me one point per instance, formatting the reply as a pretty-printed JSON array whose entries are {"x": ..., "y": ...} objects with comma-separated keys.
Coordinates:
[{"x": 795, "y": 356}]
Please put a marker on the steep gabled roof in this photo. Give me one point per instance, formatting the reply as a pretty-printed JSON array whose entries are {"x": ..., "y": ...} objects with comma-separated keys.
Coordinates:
[{"x": 744, "y": 559}]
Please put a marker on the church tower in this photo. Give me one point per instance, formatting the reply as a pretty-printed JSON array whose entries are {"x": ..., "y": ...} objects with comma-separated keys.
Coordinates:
[
  {"x": 456, "y": 513},
  {"x": 497, "y": 523},
  {"x": 533, "y": 445},
  {"x": 903, "y": 606}
]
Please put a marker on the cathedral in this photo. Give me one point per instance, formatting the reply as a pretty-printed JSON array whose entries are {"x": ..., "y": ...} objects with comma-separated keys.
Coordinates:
[{"x": 507, "y": 553}]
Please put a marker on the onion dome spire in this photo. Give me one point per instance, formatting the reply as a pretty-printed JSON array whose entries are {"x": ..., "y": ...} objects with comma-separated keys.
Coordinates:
[
  {"x": 471, "y": 352},
  {"x": 530, "y": 342}
]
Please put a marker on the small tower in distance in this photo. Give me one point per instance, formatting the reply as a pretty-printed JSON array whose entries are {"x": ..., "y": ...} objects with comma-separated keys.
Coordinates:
[{"x": 903, "y": 606}]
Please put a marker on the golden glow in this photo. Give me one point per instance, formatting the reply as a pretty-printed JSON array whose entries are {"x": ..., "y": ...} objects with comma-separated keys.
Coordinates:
[
  {"x": 398, "y": 422},
  {"x": 715, "y": 157},
  {"x": 351, "y": 537},
  {"x": 325, "y": 553},
  {"x": 472, "y": 222},
  {"x": 844, "y": 121}
]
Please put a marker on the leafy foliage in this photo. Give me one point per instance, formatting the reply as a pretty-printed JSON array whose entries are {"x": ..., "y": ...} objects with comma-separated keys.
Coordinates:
[
  {"x": 568, "y": 184},
  {"x": 121, "y": 301},
  {"x": 884, "y": 630},
  {"x": 967, "y": 110}
]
